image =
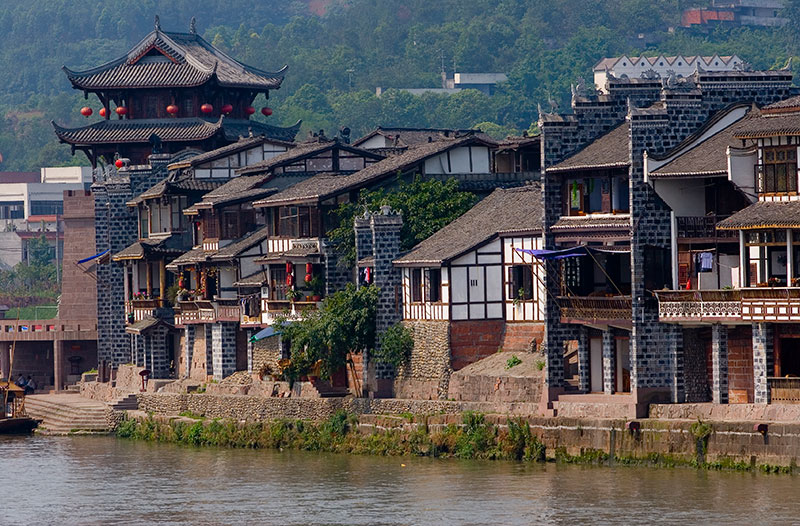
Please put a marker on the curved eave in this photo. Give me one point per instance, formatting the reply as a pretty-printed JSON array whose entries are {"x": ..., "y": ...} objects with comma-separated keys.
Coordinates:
[
  {"x": 587, "y": 167},
  {"x": 759, "y": 226},
  {"x": 63, "y": 135},
  {"x": 681, "y": 175}
]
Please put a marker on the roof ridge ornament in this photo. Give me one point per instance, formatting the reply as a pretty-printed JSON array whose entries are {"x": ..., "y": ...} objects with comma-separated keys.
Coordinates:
[
  {"x": 158, "y": 23},
  {"x": 788, "y": 65},
  {"x": 193, "y": 26}
]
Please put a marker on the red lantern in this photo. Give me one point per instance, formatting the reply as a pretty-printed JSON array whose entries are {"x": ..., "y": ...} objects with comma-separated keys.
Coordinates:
[
  {"x": 249, "y": 110},
  {"x": 289, "y": 268},
  {"x": 121, "y": 110},
  {"x": 309, "y": 277},
  {"x": 206, "y": 108},
  {"x": 227, "y": 108},
  {"x": 266, "y": 111},
  {"x": 103, "y": 112},
  {"x": 86, "y": 111},
  {"x": 118, "y": 163},
  {"x": 368, "y": 277},
  {"x": 289, "y": 279},
  {"x": 172, "y": 109},
  {"x": 309, "y": 268}
]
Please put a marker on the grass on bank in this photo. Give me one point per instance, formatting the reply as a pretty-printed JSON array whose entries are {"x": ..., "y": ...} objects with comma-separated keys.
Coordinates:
[{"x": 475, "y": 438}]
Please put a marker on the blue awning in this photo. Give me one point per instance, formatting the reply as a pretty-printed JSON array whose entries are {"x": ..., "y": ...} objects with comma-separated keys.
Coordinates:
[
  {"x": 572, "y": 252},
  {"x": 96, "y": 256},
  {"x": 266, "y": 333}
]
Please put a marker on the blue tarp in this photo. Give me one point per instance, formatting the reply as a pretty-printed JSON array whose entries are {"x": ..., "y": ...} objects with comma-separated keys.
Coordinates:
[
  {"x": 266, "y": 333},
  {"x": 572, "y": 252},
  {"x": 99, "y": 255}
]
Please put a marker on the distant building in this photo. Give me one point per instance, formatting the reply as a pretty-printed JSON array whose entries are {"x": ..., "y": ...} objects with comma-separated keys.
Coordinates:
[
  {"x": 484, "y": 82},
  {"x": 660, "y": 67},
  {"x": 31, "y": 205},
  {"x": 736, "y": 12}
]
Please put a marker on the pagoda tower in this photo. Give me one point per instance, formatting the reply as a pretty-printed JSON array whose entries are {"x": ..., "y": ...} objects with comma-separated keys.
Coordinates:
[{"x": 170, "y": 92}]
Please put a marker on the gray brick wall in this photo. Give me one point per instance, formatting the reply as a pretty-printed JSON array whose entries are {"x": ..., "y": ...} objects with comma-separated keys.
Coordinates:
[
  {"x": 609, "y": 362},
  {"x": 223, "y": 349},
  {"x": 762, "y": 360},
  {"x": 719, "y": 360}
]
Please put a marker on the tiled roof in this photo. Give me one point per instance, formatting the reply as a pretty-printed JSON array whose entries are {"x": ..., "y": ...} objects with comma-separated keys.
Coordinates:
[
  {"x": 195, "y": 255},
  {"x": 764, "y": 214},
  {"x": 250, "y": 194},
  {"x": 139, "y": 131},
  {"x": 242, "y": 144},
  {"x": 146, "y": 248},
  {"x": 791, "y": 102},
  {"x": 256, "y": 279},
  {"x": 769, "y": 125},
  {"x": 593, "y": 222},
  {"x": 710, "y": 157},
  {"x": 236, "y": 128},
  {"x": 145, "y": 324},
  {"x": 185, "y": 60},
  {"x": 411, "y": 136},
  {"x": 608, "y": 151},
  {"x": 325, "y": 185},
  {"x": 301, "y": 151},
  {"x": 181, "y": 186},
  {"x": 503, "y": 211},
  {"x": 235, "y": 248}
]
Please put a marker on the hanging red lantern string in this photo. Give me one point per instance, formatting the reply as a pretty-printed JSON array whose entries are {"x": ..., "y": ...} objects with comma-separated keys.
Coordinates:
[
  {"x": 249, "y": 110},
  {"x": 86, "y": 111},
  {"x": 172, "y": 109},
  {"x": 309, "y": 268},
  {"x": 103, "y": 112},
  {"x": 368, "y": 278},
  {"x": 309, "y": 277},
  {"x": 206, "y": 108},
  {"x": 226, "y": 109},
  {"x": 119, "y": 163},
  {"x": 289, "y": 279},
  {"x": 289, "y": 268},
  {"x": 267, "y": 111},
  {"x": 121, "y": 110}
]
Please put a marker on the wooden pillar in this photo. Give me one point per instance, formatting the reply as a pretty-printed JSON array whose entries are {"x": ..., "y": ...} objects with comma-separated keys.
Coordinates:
[
  {"x": 162, "y": 282},
  {"x": 789, "y": 262},
  {"x": 5, "y": 360},
  {"x": 58, "y": 359},
  {"x": 148, "y": 273},
  {"x": 744, "y": 259}
]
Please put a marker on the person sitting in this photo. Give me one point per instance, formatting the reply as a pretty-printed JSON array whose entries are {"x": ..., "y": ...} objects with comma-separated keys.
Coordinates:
[{"x": 30, "y": 386}]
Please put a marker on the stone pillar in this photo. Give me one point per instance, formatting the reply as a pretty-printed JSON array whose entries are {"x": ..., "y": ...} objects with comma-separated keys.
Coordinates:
[
  {"x": 58, "y": 365},
  {"x": 209, "y": 349},
  {"x": 249, "y": 335},
  {"x": 719, "y": 363},
  {"x": 762, "y": 361},
  {"x": 583, "y": 359},
  {"x": 223, "y": 336},
  {"x": 188, "y": 349},
  {"x": 674, "y": 340},
  {"x": 609, "y": 362},
  {"x": 363, "y": 233},
  {"x": 158, "y": 352}
]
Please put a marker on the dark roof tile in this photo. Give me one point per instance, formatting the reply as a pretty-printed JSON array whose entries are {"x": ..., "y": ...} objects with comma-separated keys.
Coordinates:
[
  {"x": 764, "y": 214},
  {"x": 608, "y": 151}
]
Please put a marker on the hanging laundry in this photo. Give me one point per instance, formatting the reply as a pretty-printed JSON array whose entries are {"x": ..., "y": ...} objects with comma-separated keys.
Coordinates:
[{"x": 705, "y": 262}]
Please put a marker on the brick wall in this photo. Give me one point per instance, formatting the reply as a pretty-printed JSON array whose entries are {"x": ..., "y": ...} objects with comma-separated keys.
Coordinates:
[
  {"x": 740, "y": 365},
  {"x": 78, "y": 288},
  {"x": 523, "y": 336},
  {"x": 697, "y": 364},
  {"x": 471, "y": 341}
]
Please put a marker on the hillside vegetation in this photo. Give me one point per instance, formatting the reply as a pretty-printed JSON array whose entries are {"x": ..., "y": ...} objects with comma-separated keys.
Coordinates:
[{"x": 338, "y": 51}]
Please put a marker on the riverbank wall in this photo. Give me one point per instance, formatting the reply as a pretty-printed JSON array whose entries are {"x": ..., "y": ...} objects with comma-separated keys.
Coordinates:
[{"x": 728, "y": 444}]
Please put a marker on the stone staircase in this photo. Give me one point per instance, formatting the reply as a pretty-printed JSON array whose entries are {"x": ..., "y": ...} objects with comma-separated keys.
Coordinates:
[
  {"x": 125, "y": 402},
  {"x": 63, "y": 414}
]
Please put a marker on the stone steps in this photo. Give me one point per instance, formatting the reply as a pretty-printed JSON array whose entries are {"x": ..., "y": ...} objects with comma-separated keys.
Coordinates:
[
  {"x": 127, "y": 402},
  {"x": 67, "y": 414}
]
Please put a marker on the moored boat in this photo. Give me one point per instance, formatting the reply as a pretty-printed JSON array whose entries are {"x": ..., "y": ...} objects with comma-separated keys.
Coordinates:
[{"x": 13, "y": 419}]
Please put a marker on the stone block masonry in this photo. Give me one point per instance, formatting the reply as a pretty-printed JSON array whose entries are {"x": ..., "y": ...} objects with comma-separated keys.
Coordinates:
[
  {"x": 223, "y": 346},
  {"x": 762, "y": 361},
  {"x": 719, "y": 353},
  {"x": 426, "y": 375}
]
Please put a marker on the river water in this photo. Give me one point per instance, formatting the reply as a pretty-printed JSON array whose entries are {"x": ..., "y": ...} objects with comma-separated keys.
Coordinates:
[{"x": 103, "y": 480}]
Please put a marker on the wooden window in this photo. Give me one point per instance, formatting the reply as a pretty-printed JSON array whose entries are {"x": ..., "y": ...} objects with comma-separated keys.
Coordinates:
[
  {"x": 777, "y": 172},
  {"x": 230, "y": 224},
  {"x": 434, "y": 290},
  {"x": 277, "y": 283},
  {"x": 521, "y": 282},
  {"x": 144, "y": 223},
  {"x": 416, "y": 285},
  {"x": 210, "y": 227}
]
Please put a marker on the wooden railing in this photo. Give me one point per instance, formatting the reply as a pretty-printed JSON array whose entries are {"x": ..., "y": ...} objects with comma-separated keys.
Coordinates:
[
  {"x": 589, "y": 308},
  {"x": 784, "y": 390},
  {"x": 699, "y": 305},
  {"x": 228, "y": 309},
  {"x": 141, "y": 308},
  {"x": 702, "y": 227}
]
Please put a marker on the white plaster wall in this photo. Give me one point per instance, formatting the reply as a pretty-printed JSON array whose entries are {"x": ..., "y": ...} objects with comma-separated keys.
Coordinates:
[
  {"x": 376, "y": 141},
  {"x": 686, "y": 197}
]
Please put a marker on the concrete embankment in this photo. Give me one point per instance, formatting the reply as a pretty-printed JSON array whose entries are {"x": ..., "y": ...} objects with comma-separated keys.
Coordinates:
[{"x": 725, "y": 444}]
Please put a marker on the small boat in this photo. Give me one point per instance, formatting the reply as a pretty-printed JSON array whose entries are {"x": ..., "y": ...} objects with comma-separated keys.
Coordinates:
[{"x": 13, "y": 419}]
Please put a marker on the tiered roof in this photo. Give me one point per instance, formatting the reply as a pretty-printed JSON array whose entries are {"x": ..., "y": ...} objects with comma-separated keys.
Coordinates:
[
  {"x": 173, "y": 60},
  {"x": 611, "y": 150}
]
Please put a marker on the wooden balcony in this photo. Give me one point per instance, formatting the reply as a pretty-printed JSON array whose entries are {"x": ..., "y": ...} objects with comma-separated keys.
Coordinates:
[
  {"x": 760, "y": 304},
  {"x": 703, "y": 227},
  {"x": 784, "y": 390},
  {"x": 228, "y": 309},
  {"x": 141, "y": 309},
  {"x": 704, "y": 306},
  {"x": 615, "y": 310}
]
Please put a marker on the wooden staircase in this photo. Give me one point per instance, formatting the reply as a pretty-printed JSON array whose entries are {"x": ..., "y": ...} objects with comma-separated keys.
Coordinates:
[{"x": 65, "y": 414}]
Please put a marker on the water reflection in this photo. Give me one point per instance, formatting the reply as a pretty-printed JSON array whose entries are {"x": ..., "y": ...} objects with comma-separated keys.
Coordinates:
[{"x": 90, "y": 480}]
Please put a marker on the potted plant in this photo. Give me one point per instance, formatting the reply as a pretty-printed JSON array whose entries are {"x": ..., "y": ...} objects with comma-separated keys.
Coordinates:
[
  {"x": 293, "y": 294},
  {"x": 317, "y": 286},
  {"x": 773, "y": 281}
]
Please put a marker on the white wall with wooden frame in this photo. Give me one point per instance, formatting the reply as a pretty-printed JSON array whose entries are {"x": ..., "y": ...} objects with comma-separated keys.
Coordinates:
[
  {"x": 225, "y": 167},
  {"x": 476, "y": 284},
  {"x": 430, "y": 305},
  {"x": 529, "y": 307}
]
